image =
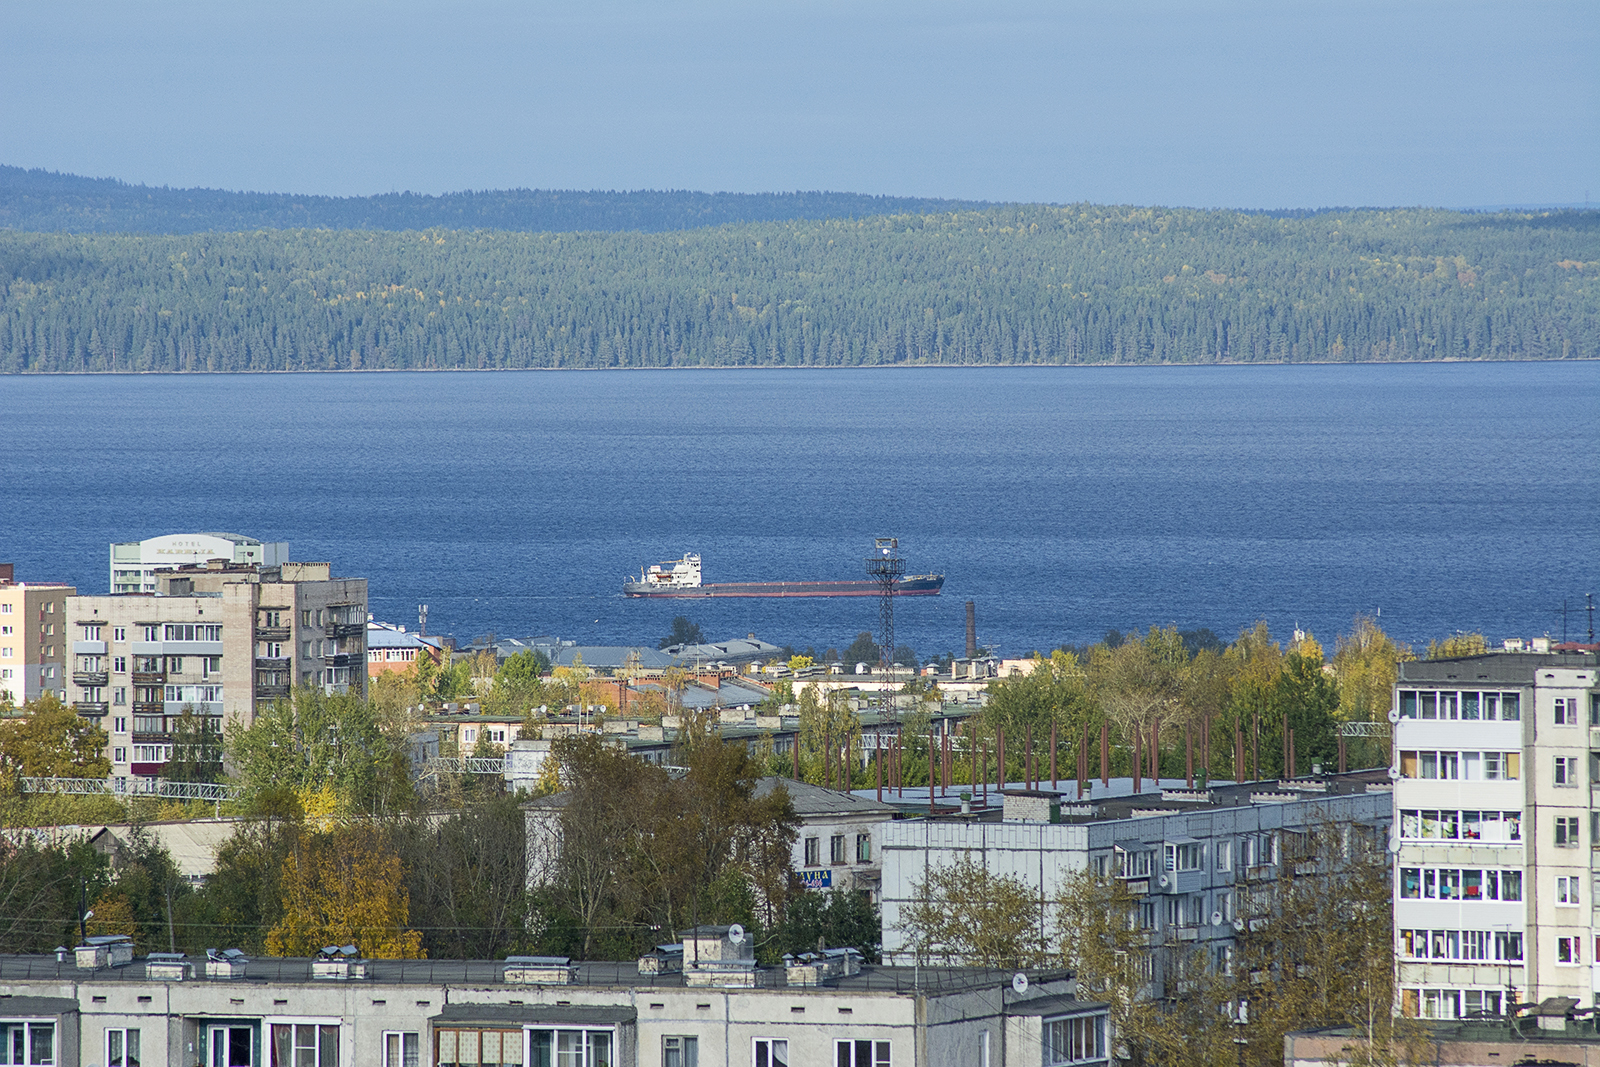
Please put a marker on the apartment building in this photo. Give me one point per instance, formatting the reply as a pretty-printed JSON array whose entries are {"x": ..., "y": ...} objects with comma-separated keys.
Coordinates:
[
  {"x": 701, "y": 1001},
  {"x": 134, "y": 564},
  {"x": 1496, "y": 767},
  {"x": 1191, "y": 856},
  {"x": 221, "y": 638},
  {"x": 33, "y": 638}
]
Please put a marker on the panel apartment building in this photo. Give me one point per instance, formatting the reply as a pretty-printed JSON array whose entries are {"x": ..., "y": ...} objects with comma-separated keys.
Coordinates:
[
  {"x": 1496, "y": 825},
  {"x": 33, "y": 638},
  {"x": 223, "y": 638}
]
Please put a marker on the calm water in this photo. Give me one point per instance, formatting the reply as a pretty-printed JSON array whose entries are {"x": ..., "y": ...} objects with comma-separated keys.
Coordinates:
[{"x": 1063, "y": 501}]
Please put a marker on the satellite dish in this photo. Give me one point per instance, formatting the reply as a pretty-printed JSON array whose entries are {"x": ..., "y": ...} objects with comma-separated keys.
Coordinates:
[
  {"x": 1394, "y": 845},
  {"x": 1238, "y": 924},
  {"x": 736, "y": 934},
  {"x": 1216, "y": 918},
  {"x": 1019, "y": 983},
  {"x": 1394, "y": 715},
  {"x": 1162, "y": 881},
  {"x": 1394, "y": 774}
]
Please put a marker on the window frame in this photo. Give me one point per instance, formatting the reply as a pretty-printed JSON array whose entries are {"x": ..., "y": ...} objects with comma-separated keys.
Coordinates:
[
  {"x": 27, "y": 1027},
  {"x": 415, "y": 1035},
  {"x": 846, "y": 1052},
  {"x": 763, "y": 1051},
  {"x": 129, "y": 1036},
  {"x": 686, "y": 1054}
]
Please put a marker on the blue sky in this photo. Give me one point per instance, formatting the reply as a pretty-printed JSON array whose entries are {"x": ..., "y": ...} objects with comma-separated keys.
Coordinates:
[{"x": 1227, "y": 103}]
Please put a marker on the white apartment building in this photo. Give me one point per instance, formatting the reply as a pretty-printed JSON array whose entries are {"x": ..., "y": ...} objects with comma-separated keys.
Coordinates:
[
  {"x": 134, "y": 563},
  {"x": 1496, "y": 768},
  {"x": 221, "y": 638},
  {"x": 33, "y": 638}
]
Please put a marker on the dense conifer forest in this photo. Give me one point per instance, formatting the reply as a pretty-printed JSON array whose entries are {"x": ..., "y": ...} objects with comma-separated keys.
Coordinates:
[
  {"x": 46, "y": 201},
  {"x": 996, "y": 285}
]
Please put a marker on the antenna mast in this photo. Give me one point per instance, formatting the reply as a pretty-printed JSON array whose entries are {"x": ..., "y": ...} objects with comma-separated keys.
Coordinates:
[{"x": 887, "y": 568}]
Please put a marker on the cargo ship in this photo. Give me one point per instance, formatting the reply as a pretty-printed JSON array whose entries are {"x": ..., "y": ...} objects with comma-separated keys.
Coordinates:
[{"x": 681, "y": 578}]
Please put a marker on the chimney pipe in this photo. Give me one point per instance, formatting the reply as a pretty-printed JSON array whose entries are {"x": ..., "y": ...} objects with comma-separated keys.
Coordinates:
[{"x": 972, "y": 630}]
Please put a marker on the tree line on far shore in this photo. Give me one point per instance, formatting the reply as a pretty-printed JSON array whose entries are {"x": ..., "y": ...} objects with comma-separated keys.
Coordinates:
[{"x": 1081, "y": 284}]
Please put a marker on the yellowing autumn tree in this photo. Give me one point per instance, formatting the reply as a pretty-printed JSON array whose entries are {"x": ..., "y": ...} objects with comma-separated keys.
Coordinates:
[{"x": 340, "y": 888}]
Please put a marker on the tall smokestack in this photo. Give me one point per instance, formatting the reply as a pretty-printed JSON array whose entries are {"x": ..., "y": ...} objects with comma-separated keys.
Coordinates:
[{"x": 972, "y": 630}]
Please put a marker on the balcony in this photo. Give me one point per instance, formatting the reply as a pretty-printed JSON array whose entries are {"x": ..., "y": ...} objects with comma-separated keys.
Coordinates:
[
  {"x": 346, "y": 629},
  {"x": 345, "y": 659},
  {"x": 91, "y": 709},
  {"x": 272, "y": 633},
  {"x": 149, "y": 677},
  {"x": 141, "y": 737},
  {"x": 272, "y": 692},
  {"x": 157, "y": 709},
  {"x": 91, "y": 678}
]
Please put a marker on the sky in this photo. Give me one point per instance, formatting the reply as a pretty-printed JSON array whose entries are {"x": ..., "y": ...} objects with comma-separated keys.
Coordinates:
[{"x": 1203, "y": 103}]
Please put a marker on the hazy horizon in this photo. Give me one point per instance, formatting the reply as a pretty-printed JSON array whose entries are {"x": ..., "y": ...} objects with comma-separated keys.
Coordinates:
[{"x": 1244, "y": 104}]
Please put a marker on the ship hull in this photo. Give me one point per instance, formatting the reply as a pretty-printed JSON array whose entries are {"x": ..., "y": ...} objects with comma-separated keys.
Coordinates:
[{"x": 921, "y": 585}]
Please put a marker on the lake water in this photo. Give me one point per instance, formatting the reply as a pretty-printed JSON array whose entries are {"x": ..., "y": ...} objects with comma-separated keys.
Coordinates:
[{"x": 1064, "y": 501}]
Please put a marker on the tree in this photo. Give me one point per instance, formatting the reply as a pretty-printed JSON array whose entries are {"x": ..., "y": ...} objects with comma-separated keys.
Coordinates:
[
  {"x": 196, "y": 749},
  {"x": 960, "y": 913},
  {"x": 466, "y": 879},
  {"x": 837, "y": 918},
  {"x": 243, "y": 898},
  {"x": 1367, "y": 664},
  {"x": 829, "y": 738},
  {"x": 344, "y": 887},
  {"x": 862, "y": 650},
  {"x": 50, "y": 740},
  {"x": 1458, "y": 644},
  {"x": 41, "y": 887},
  {"x": 684, "y": 632},
  {"x": 317, "y": 741},
  {"x": 1053, "y": 693}
]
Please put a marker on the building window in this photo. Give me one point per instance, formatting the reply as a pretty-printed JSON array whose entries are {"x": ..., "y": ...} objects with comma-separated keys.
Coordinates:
[
  {"x": 1566, "y": 711},
  {"x": 119, "y": 695},
  {"x": 836, "y": 849},
  {"x": 5, "y": 609},
  {"x": 863, "y": 848},
  {"x": 119, "y": 633},
  {"x": 122, "y": 1048},
  {"x": 119, "y": 755},
  {"x": 152, "y": 633},
  {"x": 402, "y": 1049},
  {"x": 558, "y": 1048},
  {"x": 1184, "y": 857},
  {"x": 1074, "y": 1040},
  {"x": 813, "y": 852},
  {"x": 861, "y": 1053},
  {"x": 1224, "y": 855},
  {"x": 1566, "y": 889},
  {"x": 27, "y": 1044},
  {"x": 1566, "y": 831},
  {"x": 680, "y": 1051},
  {"x": 1569, "y": 950},
  {"x": 503, "y": 1048},
  {"x": 8, "y": 652},
  {"x": 272, "y": 619},
  {"x": 119, "y": 664},
  {"x": 305, "y": 1045},
  {"x": 1567, "y": 771},
  {"x": 771, "y": 1052}
]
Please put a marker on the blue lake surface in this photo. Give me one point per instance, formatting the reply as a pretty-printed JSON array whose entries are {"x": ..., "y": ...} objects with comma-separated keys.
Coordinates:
[{"x": 1064, "y": 501}]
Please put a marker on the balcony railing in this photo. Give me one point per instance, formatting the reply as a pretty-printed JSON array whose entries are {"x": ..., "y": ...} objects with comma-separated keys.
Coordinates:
[
  {"x": 144, "y": 708},
  {"x": 142, "y": 737},
  {"x": 88, "y": 678},
  {"x": 271, "y": 692},
  {"x": 346, "y": 629},
  {"x": 345, "y": 659},
  {"x": 93, "y": 709},
  {"x": 272, "y": 633},
  {"x": 149, "y": 677}
]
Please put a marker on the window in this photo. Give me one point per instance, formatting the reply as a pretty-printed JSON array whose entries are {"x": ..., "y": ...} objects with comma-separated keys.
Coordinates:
[
  {"x": 305, "y": 1045},
  {"x": 8, "y": 652},
  {"x": 192, "y": 631},
  {"x": 1224, "y": 855},
  {"x": 1186, "y": 857},
  {"x": 402, "y": 1049},
  {"x": 5, "y": 609},
  {"x": 1566, "y": 711},
  {"x": 1569, "y": 950},
  {"x": 1566, "y": 831},
  {"x": 503, "y": 1048},
  {"x": 119, "y": 755},
  {"x": 119, "y": 633},
  {"x": 26, "y": 1044},
  {"x": 680, "y": 1052},
  {"x": 861, "y": 1053},
  {"x": 122, "y": 1048},
  {"x": 771, "y": 1052},
  {"x": 119, "y": 695},
  {"x": 1507, "y": 946},
  {"x": 272, "y": 619},
  {"x": 231, "y": 1046},
  {"x": 119, "y": 725},
  {"x": 1566, "y": 889},
  {"x": 6, "y": 631},
  {"x": 836, "y": 849},
  {"x": 1566, "y": 771},
  {"x": 813, "y": 852},
  {"x": 1594, "y": 709},
  {"x": 863, "y": 848},
  {"x": 1074, "y": 1040},
  {"x": 119, "y": 664}
]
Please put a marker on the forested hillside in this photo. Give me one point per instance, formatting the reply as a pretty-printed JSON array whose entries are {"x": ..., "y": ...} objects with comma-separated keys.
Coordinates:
[
  {"x": 45, "y": 201},
  {"x": 1001, "y": 285}
]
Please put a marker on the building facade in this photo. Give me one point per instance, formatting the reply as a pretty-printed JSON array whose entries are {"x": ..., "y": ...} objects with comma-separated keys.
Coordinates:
[
  {"x": 223, "y": 639},
  {"x": 33, "y": 638},
  {"x": 700, "y": 1008},
  {"x": 1496, "y": 767},
  {"x": 1189, "y": 856},
  {"x": 391, "y": 649},
  {"x": 134, "y": 563}
]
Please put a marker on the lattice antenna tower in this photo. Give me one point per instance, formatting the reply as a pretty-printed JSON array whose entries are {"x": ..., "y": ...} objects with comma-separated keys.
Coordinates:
[{"x": 887, "y": 568}]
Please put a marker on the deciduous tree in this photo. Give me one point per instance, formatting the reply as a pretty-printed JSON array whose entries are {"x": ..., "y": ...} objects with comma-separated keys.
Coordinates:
[{"x": 344, "y": 887}]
